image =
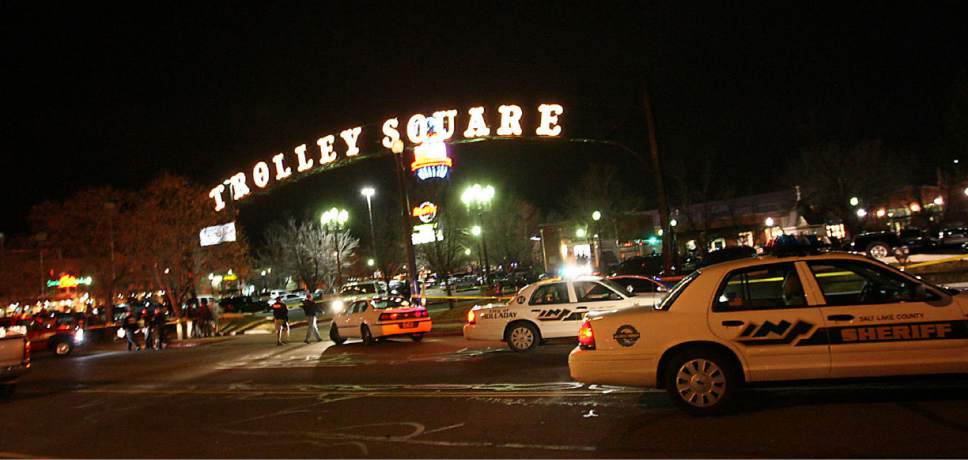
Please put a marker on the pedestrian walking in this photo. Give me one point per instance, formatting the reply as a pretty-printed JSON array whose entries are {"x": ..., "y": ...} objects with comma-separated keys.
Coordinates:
[
  {"x": 205, "y": 317},
  {"x": 147, "y": 318},
  {"x": 160, "y": 320},
  {"x": 280, "y": 314},
  {"x": 312, "y": 310},
  {"x": 130, "y": 325}
]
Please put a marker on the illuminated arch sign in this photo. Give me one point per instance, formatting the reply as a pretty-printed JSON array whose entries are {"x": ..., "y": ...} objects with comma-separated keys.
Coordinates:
[{"x": 426, "y": 133}]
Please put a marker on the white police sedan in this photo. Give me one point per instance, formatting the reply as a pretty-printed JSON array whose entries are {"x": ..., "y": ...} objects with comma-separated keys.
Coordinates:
[{"x": 372, "y": 318}]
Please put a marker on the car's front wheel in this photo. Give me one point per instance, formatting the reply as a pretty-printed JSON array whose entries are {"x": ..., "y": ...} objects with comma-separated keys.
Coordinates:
[
  {"x": 522, "y": 337},
  {"x": 334, "y": 335},
  {"x": 878, "y": 249},
  {"x": 366, "y": 335},
  {"x": 703, "y": 382},
  {"x": 63, "y": 348}
]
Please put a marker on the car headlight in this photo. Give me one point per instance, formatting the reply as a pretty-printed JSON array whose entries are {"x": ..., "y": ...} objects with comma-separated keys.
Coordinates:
[{"x": 79, "y": 336}]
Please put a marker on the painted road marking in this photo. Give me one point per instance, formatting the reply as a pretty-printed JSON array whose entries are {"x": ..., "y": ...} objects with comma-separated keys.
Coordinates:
[{"x": 492, "y": 390}]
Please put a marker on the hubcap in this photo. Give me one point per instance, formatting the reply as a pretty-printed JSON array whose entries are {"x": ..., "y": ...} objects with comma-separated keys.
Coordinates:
[
  {"x": 700, "y": 382},
  {"x": 63, "y": 348},
  {"x": 522, "y": 337},
  {"x": 879, "y": 251}
]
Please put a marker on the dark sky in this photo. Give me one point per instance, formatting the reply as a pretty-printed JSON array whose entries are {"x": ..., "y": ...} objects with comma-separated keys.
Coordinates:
[{"x": 113, "y": 93}]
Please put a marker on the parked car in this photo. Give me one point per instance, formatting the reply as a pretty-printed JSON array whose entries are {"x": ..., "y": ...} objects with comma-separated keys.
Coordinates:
[
  {"x": 639, "y": 265},
  {"x": 371, "y": 318},
  {"x": 243, "y": 304},
  {"x": 876, "y": 244},
  {"x": 952, "y": 238},
  {"x": 57, "y": 332},
  {"x": 642, "y": 286},
  {"x": 14, "y": 354}
]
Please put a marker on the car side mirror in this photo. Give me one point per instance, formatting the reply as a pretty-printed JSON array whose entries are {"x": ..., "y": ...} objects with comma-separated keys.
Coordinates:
[
  {"x": 630, "y": 289},
  {"x": 918, "y": 292}
]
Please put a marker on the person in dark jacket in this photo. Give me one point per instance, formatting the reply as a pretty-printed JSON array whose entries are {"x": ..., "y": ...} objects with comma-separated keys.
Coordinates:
[
  {"x": 280, "y": 313},
  {"x": 130, "y": 325},
  {"x": 312, "y": 311},
  {"x": 159, "y": 320}
]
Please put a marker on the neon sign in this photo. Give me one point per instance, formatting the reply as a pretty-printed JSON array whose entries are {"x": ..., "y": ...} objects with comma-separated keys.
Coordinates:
[
  {"x": 426, "y": 233},
  {"x": 426, "y": 212},
  {"x": 426, "y": 133},
  {"x": 69, "y": 281}
]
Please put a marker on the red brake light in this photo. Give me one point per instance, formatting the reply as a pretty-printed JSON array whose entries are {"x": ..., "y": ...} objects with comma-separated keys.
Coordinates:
[
  {"x": 586, "y": 336},
  {"x": 471, "y": 317}
]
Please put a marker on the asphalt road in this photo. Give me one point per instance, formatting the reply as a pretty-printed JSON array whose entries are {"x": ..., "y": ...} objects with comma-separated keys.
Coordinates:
[{"x": 444, "y": 397}]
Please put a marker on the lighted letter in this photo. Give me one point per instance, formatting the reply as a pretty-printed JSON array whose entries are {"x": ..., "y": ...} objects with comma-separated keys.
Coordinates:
[
  {"x": 446, "y": 120},
  {"x": 351, "y": 136},
  {"x": 216, "y": 194},
  {"x": 282, "y": 171},
  {"x": 239, "y": 189},
  {"x": 510, "y": 120},
  {"x": 327, "y": 155},
  {"x": 390, "y": 132},
  {"x": 476, "y": 126},
  {"x": 549, "y": 120},
  {"x": 417, "y": 128},
  {"x": 304, "y": 163},
  {"x": 260, "y": 174}
]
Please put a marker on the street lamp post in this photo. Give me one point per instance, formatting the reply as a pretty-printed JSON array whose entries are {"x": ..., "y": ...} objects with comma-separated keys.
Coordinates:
[
  {"x": 336, "y": 218},
  {"x": 368, "y": 192},
  {"x": 596, "y": 216},
  {"x": 397, "y": 150},
  {"x": 480, "y": 198}
]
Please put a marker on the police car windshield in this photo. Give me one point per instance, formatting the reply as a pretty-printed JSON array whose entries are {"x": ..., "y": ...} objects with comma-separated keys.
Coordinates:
[{"x": 673, "y": 294}]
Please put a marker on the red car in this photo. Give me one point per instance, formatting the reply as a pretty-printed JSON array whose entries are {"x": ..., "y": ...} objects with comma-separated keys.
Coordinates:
[{"x": 58, "y": 332}]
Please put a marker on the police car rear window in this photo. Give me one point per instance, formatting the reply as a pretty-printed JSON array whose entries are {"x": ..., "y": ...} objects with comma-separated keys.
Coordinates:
[{"x": 670, "y": 298}]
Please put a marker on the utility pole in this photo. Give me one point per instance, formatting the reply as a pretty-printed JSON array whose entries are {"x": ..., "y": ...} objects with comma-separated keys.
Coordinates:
[
  {"x": 397, "y": 150},
  {"x": 667, "y": 246}
]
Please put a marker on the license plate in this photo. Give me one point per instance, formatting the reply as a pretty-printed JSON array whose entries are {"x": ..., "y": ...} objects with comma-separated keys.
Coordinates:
[{"x": 409, "y": 325}]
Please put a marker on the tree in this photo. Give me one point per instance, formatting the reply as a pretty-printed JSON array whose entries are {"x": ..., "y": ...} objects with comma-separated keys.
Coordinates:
[
  {"x": 444, "y": 256},
  {"x": 510, "y": 224},
  {"x": 693, "y": 189},
  {"x": 830, "y": 174},
  {"x": 305, "y": 250},
  {"x": 601, "y": 189},
  {"x": 167, "y": 216}
]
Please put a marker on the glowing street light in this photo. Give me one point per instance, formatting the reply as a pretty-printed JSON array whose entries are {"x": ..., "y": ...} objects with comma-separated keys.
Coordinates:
[
  {"x": 854, "y": 201},
  {"x": 861, "y": 213},
  {"x": 467, "y": 251},
  {"x": 596, "y": 216},
  {"x": 938, "y": 201},
  {"x": 881, "y": 212},
  {"x": 769, "y": 222},
  {"x": 368, "y": 192},
  {"x": 580, "y": 232},
  {"x": 335, "y": 218},
  {"x": 370, "y": 262},
  {"x": 673, "y": 222},
  {"x": 476, "y": 230}
]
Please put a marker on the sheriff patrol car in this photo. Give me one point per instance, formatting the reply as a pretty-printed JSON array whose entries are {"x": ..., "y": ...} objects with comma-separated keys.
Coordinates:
[
  {"x": 547, "y": 309},
  {"x": 826, "y": 316}
]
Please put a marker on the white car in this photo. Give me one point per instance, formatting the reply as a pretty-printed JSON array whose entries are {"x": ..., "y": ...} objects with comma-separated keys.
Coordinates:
[
  {"x": 545, "y": 310},
  {"x": 373, "y": 318},
  {"x": 827, "y": 316}
]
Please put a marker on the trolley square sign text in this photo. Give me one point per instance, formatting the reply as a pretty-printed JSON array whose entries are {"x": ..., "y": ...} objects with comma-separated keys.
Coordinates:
[{"x": 446, "y": 124}]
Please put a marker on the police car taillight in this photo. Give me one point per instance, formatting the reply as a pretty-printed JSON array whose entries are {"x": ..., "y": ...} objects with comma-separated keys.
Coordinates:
[
  {"x": 471, "y": 317},
  {"x": 586, "y": 336}
]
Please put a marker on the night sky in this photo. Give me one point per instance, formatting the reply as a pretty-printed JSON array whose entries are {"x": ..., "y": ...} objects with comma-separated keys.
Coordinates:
[{"x": 113, "y": 93}]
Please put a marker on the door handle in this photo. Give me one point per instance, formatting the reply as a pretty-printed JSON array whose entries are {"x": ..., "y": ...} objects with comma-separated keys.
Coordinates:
[
  {"x": 732, "y": 323},
  {"x": 581, "y": 308},
  {"x": 840, "y": 317}
]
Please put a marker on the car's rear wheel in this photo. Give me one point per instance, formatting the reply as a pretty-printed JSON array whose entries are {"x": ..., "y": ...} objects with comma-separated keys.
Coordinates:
[
  {"x": 878, "y": 249},
  {"x": 63, "y": 348},
  {"x": 366, "y": 335},
  {"x": 703, "y": 382},
  {"x": 416, "y": 337},
  {"x": 522, "y": 337},
  {"x": 334, "y": 335}
]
